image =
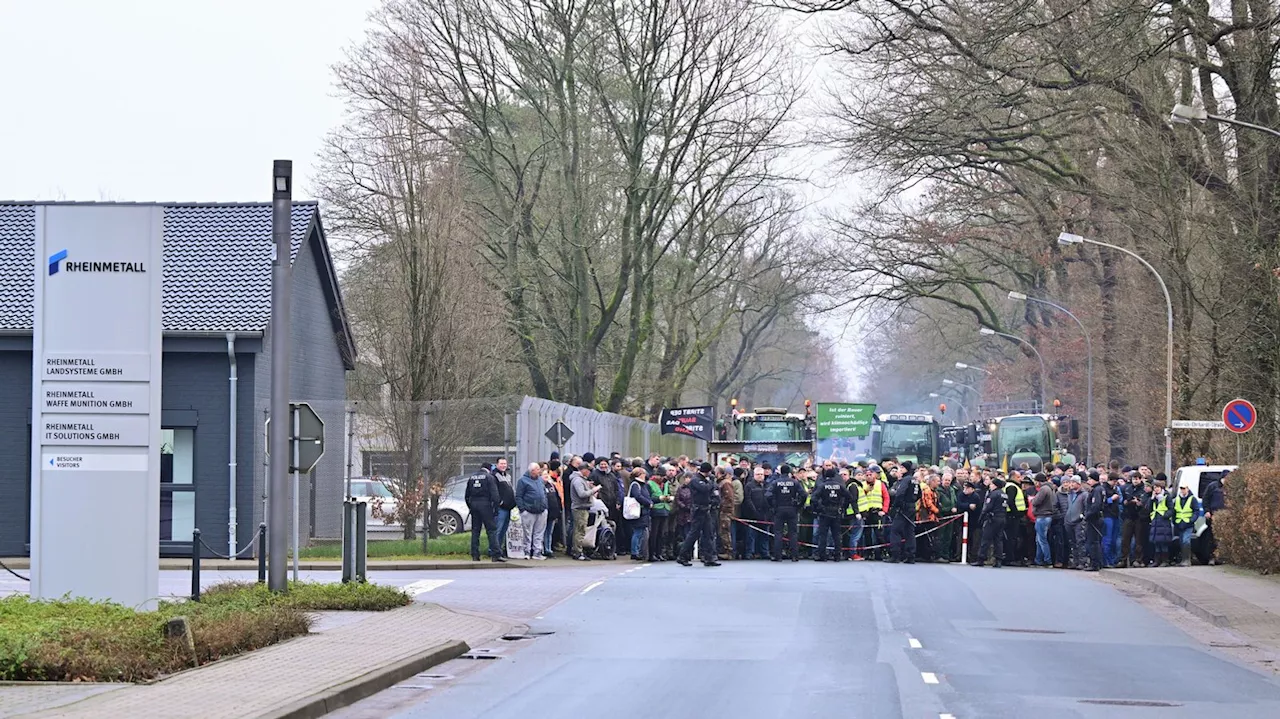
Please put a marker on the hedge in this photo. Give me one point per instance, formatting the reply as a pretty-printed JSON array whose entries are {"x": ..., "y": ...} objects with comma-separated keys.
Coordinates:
[{"x": 1248, "y": 530}]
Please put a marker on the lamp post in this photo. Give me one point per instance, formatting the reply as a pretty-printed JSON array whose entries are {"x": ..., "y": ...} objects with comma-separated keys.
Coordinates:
[
  {"x": 278, "y": 439},
  {"x": 1188, "y": 114},
  {"x": 1067, "y": 238},
  {"x": 1088, "y": 422},
  {"x": 962, "y": 365},
  {"x": 961, "y": 384},
  {"x": 1044, "y": 375}
]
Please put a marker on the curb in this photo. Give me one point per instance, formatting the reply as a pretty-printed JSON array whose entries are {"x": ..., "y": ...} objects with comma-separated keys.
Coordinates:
[
  {"x": 349, "y": 693},
  {"x": 1161, "y": 590}
]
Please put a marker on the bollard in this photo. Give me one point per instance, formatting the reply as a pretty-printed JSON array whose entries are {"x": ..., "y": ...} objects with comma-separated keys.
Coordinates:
[
  {"x": 348, "y": 541},
  {"x": 262, "y": 553},
  {"x": 361, "y": 542},
  {"x": 195, "y": 565},
  {"x": 964, "y": 540}
]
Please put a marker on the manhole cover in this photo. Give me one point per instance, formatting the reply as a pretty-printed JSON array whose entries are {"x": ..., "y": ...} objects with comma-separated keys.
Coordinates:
[
  {"x": 1033, "y": 631},
  {"x": 515, "y": 637},
  {"x": 1128, "y": 703}
]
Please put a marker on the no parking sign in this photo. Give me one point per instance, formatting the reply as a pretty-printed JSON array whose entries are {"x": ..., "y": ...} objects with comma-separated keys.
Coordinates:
[{"x": 1239, "y": 416}]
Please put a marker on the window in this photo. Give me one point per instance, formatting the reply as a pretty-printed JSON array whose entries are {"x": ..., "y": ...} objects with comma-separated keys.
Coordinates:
[
  {"x": 383, "y": 463},
  {"x": 1024, "y": 434},
  {"x": 769, "y": 431},
  {"x": 177, "y": 484}
]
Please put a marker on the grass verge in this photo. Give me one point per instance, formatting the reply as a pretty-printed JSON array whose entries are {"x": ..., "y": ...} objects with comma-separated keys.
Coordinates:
[
  {"x": 80, "y": 640},
  {"x": 455, "y": 546}
]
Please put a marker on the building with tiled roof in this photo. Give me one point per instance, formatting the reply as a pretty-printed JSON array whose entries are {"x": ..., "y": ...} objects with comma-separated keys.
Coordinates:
[{"x": 216, "y": 309}]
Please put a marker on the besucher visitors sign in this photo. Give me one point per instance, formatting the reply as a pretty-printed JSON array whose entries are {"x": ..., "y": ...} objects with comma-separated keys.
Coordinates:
[{"x": 95, "y": 436}]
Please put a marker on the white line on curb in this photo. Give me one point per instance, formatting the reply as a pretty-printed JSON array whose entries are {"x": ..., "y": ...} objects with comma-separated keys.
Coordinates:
[
  {"x": 929, "y": 677},
  {"x": 915, "y": 643},
  {"x": 591, "y": 586}
]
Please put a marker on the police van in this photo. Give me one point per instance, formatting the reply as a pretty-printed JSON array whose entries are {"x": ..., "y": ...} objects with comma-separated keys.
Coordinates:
[{"x": 1198, "y": 477}]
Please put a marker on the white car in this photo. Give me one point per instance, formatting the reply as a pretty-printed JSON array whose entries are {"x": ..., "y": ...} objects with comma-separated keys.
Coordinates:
[
  {"x": 374, "y": 492},
  {"x": 453, "y": 515}
]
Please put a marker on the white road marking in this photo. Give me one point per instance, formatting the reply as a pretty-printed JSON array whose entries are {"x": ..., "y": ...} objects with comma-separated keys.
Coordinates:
[
  {"x": 591, "y": 586},
  {"x": 946, "y": 716},
  {"x": 423, "y": 586},
  {"x": 929, "y": 677},
  {"x": 915, "y": 643}
]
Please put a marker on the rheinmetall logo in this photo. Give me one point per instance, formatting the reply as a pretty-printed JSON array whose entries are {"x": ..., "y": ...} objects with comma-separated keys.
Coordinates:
[
  {"x": 54, "y": 259},
  {"x": 56, "y": 263}
]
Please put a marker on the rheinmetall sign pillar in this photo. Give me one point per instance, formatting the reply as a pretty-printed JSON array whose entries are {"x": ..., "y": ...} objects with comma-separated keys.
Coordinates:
[{"x": 95, "y": 417}]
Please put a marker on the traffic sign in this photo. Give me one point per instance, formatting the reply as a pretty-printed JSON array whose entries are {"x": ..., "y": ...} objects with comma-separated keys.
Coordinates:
[
  {"x": 1198, "y": 424},
  {"x": 308, "y": 444},
  {"x": 1239, "y": 416},
  {"x": 559, "y": 434}
]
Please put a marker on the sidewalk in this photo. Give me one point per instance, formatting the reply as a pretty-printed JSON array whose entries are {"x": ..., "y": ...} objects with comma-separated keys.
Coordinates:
[
  {"x": 358, "y": 654},
  {"x": 1237, "y": 599},
  {"x": 308, "y": 565}
]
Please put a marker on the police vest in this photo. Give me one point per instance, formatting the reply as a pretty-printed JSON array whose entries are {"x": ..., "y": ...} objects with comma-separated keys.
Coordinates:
[
  {"x": 1019, "y": 499},
  {"x": 870, "y": 499},
  {"x": 1159, "y": 508},
  {"x": 1182, "y": 514}
]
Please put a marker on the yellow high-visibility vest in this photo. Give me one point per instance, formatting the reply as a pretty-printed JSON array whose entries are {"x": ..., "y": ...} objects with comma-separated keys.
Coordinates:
[
  {"x": 1159, "y": 507},
  {"x": 1019, "y": 499},
  {"x": 1182, "y": 514},
  {"x": 871, "y": 498}
]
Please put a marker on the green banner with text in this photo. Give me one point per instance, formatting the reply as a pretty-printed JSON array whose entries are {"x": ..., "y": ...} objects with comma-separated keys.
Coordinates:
[{"x": 844, "y": 420}]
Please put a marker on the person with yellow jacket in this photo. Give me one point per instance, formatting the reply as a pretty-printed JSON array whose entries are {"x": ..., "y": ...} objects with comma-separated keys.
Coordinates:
[{"x": 873, "y": 505}]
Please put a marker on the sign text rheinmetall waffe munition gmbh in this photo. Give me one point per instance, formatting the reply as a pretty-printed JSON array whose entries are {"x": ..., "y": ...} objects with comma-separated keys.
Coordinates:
[{"x": 95, "y": 430}]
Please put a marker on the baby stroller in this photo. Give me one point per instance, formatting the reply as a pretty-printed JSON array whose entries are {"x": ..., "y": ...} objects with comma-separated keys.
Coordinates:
[{"x": 598, "y": 542}]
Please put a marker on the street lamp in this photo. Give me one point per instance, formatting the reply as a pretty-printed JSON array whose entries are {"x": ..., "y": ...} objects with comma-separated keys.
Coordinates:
[
  {"x": 961, "y": 384},
  {"x": 1088, "y": 422},
  {"x": 1067, "y": 238},
  {"x": 1188, "y": 114},
  {"x": 962, "y": 365},
  {"x": 1044, "y": 376}
]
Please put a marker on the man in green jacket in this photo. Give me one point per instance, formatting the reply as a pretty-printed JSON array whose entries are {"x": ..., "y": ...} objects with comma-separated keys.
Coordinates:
[
  {"x": 662, "y": 487},
  {"x": 945, "y": 493}
]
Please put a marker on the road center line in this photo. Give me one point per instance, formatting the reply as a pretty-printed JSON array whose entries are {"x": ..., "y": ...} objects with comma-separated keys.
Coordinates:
[
  {"x": 915, "y": 643},
  {"x": 929, "y": 677},
  {"x": 423, "y": 586},
  {"x": 591, "y": 586}
]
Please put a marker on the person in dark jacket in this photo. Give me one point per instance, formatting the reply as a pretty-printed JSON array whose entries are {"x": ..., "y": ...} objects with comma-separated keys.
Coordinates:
[
  {"x": 684, "y": 510},
  {"x": 702, "y": 490},
  {"x": 1160, "y": 507},
  {"x": 531, "y": 499},
  {"x": 1093, "y": 506},
  {"x": 639, "y": 491},
  {"x": 507, "y": 500},
  {"x": 830, "y": 498},
  {"x": 994, "y": 515},
  {"x": 482, "y": 502},
  {"x": 1043, "y": 505},
  {"x": 555, "y": 510},
  {"x": 903, "y": 496},
  {"x": 786, "y": 496},
  {"x": 1133, "y": 541},
  {"x": 755, "y": 509},
  {"x": 1212, "y": 501},
  {"x": 1113, "y": 489}
]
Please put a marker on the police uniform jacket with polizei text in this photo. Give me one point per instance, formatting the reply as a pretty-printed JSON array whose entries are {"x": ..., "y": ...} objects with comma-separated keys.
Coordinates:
[
  {"x": 482, "y": 489},
  {"x": 903, "y": 497},
  {"x": 994, "y": 507},
  {"x": 702, "y": 492},
  {"x": 786, "y": 492},
  {"x": 830, "y": 497}
]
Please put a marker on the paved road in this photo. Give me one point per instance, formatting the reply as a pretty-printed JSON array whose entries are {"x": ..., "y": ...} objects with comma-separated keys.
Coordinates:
[{"x": 766, "y": 640}]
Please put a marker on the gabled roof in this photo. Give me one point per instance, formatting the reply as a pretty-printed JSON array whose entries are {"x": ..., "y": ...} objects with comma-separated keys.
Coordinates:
[{"x": 217, "y": 266}]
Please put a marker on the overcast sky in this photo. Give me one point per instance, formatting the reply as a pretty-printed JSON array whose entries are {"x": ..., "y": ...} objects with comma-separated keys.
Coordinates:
[
  {"x": 191, "y": 100},
  {"x": 167, "y": 99}
]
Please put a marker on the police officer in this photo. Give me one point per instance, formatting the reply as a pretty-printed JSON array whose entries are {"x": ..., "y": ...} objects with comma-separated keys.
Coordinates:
[
  {"x": 830, "y": 498},
  {"x": 903, "y": 496},
  {"x": 702, "y": 531},
  {"x": 786, "y": 497},
  {"x": 482, "y": 502},
  {"x": 993, "y": 518}
]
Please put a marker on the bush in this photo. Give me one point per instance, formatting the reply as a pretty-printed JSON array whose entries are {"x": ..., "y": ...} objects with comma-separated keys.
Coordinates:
[
  {"x": 1248, "y": 530},
  {"x": 454, "y": 546},
  {"x": 81, "y": 640}
]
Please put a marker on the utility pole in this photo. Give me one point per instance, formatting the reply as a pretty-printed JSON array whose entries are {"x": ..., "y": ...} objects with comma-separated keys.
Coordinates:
[{"x": 278, "y": 441}]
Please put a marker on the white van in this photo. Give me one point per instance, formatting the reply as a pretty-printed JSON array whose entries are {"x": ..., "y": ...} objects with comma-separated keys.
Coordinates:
[{"x": 1198, "y": 477}]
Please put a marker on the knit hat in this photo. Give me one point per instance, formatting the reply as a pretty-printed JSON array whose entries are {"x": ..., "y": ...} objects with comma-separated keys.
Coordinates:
[
  {"x": 706, "y": 468},
  {"x": 589, "y": 458}
]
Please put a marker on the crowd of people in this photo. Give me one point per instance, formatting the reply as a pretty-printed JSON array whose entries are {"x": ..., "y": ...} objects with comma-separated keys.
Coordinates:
[{"x": 660, "y": 509}]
